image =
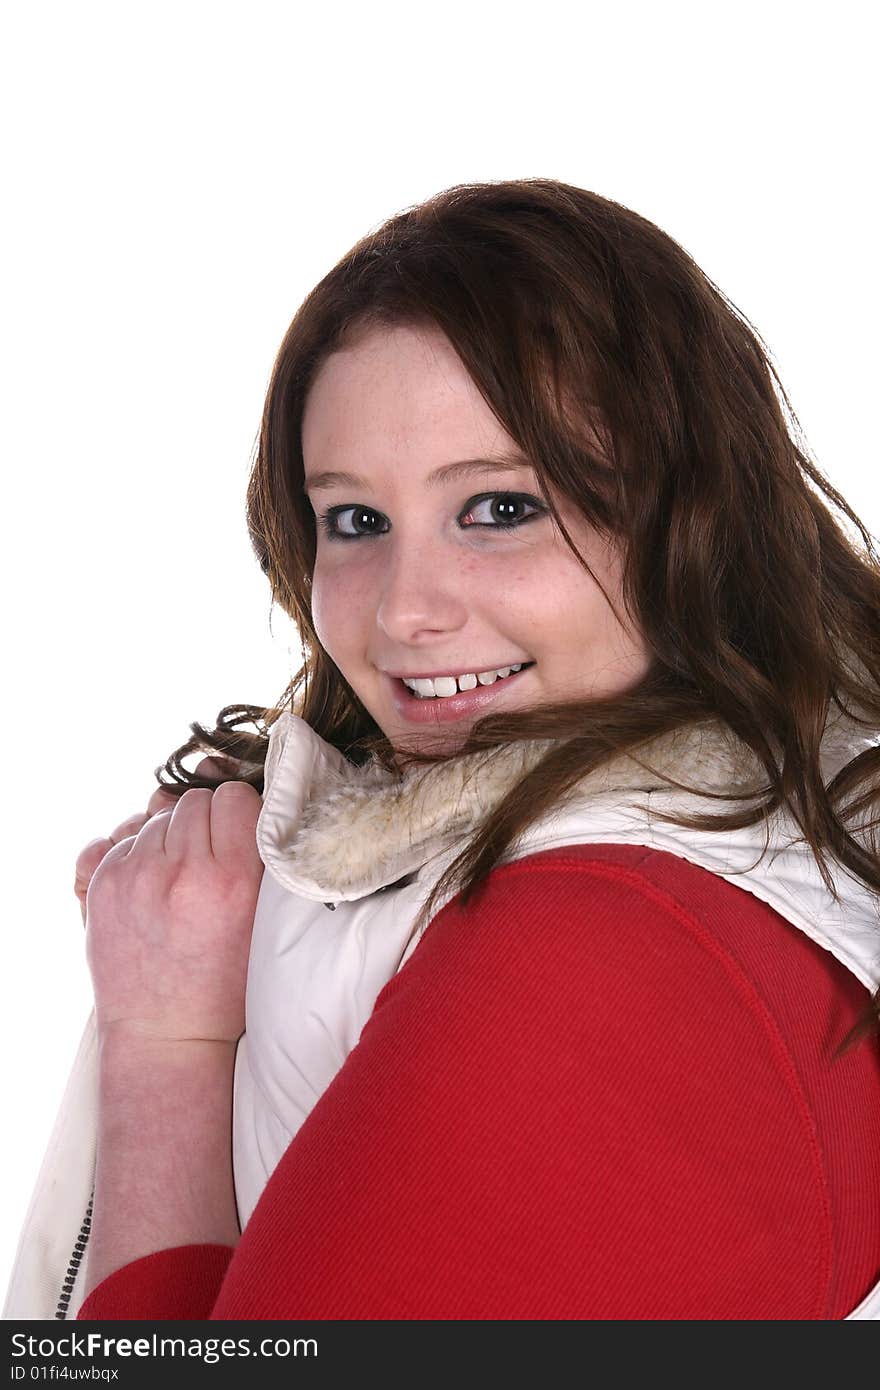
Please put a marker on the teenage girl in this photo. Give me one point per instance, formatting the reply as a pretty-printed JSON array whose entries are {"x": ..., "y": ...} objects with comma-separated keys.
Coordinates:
[{"x": 524, "y": 962}]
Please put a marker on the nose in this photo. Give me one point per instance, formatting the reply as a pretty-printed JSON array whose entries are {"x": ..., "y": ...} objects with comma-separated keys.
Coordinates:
[{"x": 422, "y": 591}]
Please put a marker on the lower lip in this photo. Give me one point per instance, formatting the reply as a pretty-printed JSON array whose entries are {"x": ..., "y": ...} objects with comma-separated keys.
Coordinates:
[{"x": 444, "y": 709}]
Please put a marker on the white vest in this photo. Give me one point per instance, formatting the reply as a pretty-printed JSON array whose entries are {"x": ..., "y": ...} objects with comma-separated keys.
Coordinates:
[{"x": 370, "y": 846}]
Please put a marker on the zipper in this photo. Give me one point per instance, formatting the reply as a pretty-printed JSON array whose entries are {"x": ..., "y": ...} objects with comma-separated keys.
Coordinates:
[{"x": 73, "y": 1264}]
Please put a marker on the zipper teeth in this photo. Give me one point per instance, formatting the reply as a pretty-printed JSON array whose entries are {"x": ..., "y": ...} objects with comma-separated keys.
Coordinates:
[{"x": 76, "y": 1256}]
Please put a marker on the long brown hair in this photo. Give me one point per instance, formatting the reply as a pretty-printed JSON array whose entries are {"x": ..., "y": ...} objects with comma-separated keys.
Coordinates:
[{"x": 643, "y": 395}]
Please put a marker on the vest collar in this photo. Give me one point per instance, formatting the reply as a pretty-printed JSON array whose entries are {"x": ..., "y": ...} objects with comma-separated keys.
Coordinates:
[{"x": 334, "y": 832}]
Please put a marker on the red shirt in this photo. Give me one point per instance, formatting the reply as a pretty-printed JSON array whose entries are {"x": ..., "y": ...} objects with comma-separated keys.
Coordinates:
[{"x": 603, "y": 1090}]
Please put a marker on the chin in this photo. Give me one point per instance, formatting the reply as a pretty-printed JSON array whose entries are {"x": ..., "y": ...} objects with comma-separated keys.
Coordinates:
[{"x": 427, "y": 741}]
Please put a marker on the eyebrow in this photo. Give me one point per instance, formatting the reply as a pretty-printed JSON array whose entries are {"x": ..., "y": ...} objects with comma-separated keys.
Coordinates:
[{"x": 501, "y": 463}]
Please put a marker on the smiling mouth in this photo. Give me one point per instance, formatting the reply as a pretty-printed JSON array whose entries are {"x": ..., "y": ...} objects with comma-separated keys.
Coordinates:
[{"x": 457, "y": 694}]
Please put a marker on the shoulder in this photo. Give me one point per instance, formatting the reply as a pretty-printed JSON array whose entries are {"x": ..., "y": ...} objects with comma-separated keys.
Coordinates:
[
  {"x": 583, "y": 1015},
  {"x": 653, "y": 968},
  {"x": 616, "y": 926},
  {"x": 630, "y": 907},
  {"x": 623, "y": 910}
]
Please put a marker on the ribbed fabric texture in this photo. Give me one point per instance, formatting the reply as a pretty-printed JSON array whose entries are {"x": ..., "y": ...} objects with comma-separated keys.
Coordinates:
[
  {"x": 171, "y": 1285},
  {"x": 604, "y": 1090}
]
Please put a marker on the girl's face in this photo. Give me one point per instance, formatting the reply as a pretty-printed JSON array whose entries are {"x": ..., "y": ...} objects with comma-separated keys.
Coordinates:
[{"x": 417, "y": 574}]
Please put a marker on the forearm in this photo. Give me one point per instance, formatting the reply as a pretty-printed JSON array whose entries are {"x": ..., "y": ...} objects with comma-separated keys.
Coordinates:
[{"x": 164, "y": 1162}]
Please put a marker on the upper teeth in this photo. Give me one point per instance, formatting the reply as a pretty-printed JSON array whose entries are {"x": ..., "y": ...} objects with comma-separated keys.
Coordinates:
[{"x": 451, "y": 685}]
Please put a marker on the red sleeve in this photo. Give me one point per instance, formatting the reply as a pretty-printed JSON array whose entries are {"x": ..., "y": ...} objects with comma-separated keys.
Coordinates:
[
  {"x": 572, "y": 1102},
  {"x": 172, "y": 1285}
]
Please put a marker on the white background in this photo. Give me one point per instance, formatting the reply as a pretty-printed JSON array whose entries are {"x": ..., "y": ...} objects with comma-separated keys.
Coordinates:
[{"x": 176, "y": 178}]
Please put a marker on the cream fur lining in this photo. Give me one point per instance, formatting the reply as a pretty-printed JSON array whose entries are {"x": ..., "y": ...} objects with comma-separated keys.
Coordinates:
[{"x": 363, "y": 828}]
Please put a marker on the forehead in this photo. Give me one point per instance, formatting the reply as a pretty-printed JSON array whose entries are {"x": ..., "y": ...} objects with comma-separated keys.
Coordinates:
[{"x": 397, "y": 395}]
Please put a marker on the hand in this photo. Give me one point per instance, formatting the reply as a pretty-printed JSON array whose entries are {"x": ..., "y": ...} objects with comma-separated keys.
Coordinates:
[
  {"x": 91, "y": 854},
  {"x": 169, "y": 916}
]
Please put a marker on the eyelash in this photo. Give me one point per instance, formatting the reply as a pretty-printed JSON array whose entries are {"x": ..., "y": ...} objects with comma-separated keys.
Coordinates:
[{"x": 327, "y": 519}]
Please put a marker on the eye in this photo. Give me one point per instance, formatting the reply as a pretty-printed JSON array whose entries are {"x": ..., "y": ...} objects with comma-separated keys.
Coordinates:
[
  {"x": 361, "y": 516},
  {"x": 504, "y": 510}
]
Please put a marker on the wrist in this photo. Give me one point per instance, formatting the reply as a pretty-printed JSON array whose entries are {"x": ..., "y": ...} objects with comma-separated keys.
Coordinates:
[
  {"x": 128, "y": 1044},
  {"x": 155, "y": 1075},
  {"x": 164, "y": 1160}
]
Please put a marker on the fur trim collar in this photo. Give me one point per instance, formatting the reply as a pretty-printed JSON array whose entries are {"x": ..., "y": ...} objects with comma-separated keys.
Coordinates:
[{"x": 333, "y": 832}]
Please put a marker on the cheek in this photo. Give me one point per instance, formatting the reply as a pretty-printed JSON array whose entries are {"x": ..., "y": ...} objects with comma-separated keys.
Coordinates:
[
  {"x": 545, "y": 590},
  {"x": 337, "y": 608}
]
